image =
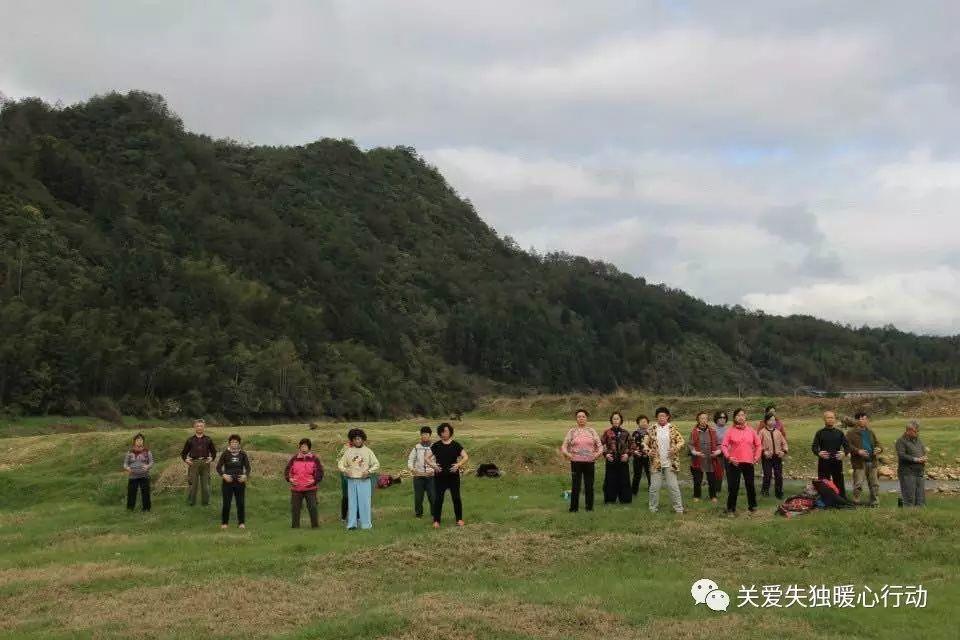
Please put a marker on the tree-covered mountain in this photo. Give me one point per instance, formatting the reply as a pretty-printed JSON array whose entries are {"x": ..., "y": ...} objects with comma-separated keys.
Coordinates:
[{"x": 169, "y": 272}]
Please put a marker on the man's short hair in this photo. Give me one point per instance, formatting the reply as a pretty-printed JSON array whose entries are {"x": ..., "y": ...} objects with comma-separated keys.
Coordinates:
[
  {"x": 860, "y": 414},
  {"x": 427, "y": 430}
]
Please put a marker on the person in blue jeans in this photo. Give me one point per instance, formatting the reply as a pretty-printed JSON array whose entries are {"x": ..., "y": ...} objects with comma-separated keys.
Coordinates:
[{"x": 357, "y": 464}]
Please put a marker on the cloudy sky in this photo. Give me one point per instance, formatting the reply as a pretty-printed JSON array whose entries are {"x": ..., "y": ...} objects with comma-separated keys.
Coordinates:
[{"x": 795, "y": 156}]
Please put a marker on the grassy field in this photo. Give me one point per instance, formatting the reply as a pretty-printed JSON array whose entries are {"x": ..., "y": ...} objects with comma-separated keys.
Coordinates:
[{"x": 75, "y": 564}]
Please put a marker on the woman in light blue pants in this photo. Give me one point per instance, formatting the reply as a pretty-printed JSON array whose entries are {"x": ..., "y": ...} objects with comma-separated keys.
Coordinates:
[
  {"x": 358, "y": 502},
  {"x": 358, "y": 464}
]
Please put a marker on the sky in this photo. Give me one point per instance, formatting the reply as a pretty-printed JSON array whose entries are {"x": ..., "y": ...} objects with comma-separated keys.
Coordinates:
[{"x": 789, "y": 156}]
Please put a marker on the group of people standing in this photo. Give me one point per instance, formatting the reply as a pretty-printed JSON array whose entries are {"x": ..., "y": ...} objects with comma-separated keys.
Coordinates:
[
  {"x": 716, "y": 449},
  {"x": 436, "y": 468}
]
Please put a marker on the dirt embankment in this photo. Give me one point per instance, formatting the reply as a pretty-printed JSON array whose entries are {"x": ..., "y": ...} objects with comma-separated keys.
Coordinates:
[{"x": 941, "y": 403}]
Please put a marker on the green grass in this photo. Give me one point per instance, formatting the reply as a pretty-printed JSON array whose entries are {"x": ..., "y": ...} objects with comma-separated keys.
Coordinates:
[{"x": 75, "y": 564}]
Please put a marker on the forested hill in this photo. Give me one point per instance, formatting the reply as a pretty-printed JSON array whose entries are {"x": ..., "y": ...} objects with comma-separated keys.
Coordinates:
[{"x": 173, "y": 274}]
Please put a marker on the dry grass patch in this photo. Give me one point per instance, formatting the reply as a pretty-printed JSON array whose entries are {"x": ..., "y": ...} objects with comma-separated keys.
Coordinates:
[
  {"x": 729, "y": 625},
  {"x": 73, "y": 574},
  {"x": 264, "y": 464},
  {"x": 243, "y": 607},
  {"x": 16, "y": 452},
  {"x": 479, "y": 546},
  {"x": 520, "y": 618},
  {"x": 78, "y": 540}
]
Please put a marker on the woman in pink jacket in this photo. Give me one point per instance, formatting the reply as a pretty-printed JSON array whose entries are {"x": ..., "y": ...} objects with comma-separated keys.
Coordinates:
[
  {"x": 304, "y": 472},
  {"x": 742, "y": 449}
]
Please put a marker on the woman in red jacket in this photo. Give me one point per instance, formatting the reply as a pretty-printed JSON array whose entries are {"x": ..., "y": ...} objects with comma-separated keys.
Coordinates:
[
  {"x": 304, "y": 472},
  {"x": 706, "y": 458}
]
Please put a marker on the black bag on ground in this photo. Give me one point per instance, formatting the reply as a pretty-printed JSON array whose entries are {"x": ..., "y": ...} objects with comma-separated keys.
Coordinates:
[{"x": 488, "y": 470}]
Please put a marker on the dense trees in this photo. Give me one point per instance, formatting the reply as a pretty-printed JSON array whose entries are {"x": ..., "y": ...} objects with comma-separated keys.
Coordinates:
[{"x": 176, "y": 274}]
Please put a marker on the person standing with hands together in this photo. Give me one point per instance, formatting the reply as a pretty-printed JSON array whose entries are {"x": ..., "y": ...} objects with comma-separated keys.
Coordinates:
[
  {"x": 741, "y": 447},
  {"x": 911, "y": 460},
  {"x": 829, "y": 445},
  {"x": 137, "y": 464},
  {"x": 234, "y": 468},
  {"x": 618, "y": 446},
  {"x": 706, "y": 458},
  {"x": 774, "y": 451},
  {"x": 581, "y": 446},
  {"x": 448, "y": 459},
  {"x": 356, "y": 464},
  {"x": 663, "y": 444},
  {"x": 198, "y": 452}
]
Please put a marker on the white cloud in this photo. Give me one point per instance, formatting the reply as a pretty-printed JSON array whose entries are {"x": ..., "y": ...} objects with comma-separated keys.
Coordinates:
[
  {"x": 924, "y": 301},
  {"x": 780, "y": 153}
]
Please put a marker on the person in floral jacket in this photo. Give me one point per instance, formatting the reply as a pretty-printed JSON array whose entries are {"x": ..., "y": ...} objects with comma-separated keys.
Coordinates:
[
  {"x": 663, "y": 445},
  {"x": 618, "y": 448}
]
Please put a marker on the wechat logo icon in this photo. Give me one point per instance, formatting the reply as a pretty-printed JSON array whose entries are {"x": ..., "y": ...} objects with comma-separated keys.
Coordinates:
[{"x": 708, "y": 592}]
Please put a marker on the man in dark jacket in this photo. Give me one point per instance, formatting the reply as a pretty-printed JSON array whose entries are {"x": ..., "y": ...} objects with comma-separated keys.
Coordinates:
[
  {"x": 864, "y": 449},
  {"x": 829, "y": 445},
  {"x": 911, "y": 458},
  {"x": 198, "y": 452}
]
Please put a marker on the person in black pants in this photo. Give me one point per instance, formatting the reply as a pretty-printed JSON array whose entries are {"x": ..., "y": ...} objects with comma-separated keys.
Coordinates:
[
  {"x": 618, "y": 447},
  {"x": 829, "y": 445},
  {"x": 742, "y": 449},
  {"x": 448, "y": 457},
  {"x": 137, "y": 464},
  {"x": 234, "y": 468},
  {"x": 641, "y": 461},
  {"x": 581, "y": 446}
]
